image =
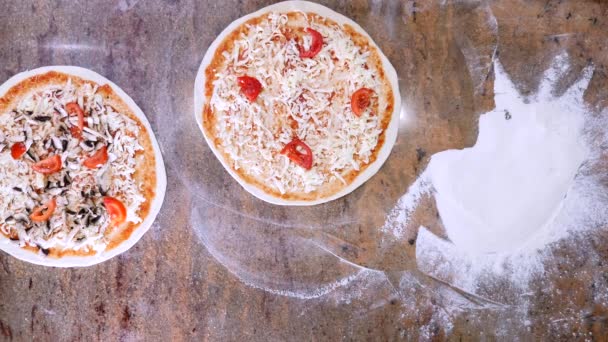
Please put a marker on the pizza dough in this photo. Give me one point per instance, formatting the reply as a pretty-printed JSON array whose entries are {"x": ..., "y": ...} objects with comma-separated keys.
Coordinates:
[
  {"x": 82, "y": 228},
  {"x": 304, "y": 102}
]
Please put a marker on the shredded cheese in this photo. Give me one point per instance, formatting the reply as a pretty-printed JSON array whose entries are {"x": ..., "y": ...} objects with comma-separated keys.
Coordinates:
[{"x": 308, "y": 98}]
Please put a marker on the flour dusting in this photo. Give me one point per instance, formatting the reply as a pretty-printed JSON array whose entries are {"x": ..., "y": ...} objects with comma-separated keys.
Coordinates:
[
  {"x": 400, "y": 216},
  {"x": 501, "y": 195},
  {"x": 530, "y": 180}
]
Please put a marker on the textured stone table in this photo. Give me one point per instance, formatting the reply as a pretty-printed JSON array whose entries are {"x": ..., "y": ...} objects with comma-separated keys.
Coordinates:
[{"x": 219, "y": 264}]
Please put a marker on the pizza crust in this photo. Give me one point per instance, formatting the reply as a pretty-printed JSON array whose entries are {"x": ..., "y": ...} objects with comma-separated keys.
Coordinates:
[
  {"x": 328, "y": 191},
  {"x": 150, "y": 171}
]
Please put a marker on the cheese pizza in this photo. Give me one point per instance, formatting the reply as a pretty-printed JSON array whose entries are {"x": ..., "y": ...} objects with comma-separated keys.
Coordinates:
[{"x": 299, "y": 105}]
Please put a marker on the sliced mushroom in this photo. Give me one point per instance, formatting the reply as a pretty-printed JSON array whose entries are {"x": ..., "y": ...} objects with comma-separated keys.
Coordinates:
[
  {"x": 73, "y": 165},
  {"x": 23, "y": 218},
  {"x": 42, "y": 118},
  {"x": 31, "y": 155},
  {"x": 57, "y": 143},
  {"x": 56, "y": 191},
  {"x": 104, "y": 179},
  {"x": 89, "y": 136},
  {"x": 61, "y": 111},
  {"x": 34, "y": 195},
  {"x": 87, "y": 147}
]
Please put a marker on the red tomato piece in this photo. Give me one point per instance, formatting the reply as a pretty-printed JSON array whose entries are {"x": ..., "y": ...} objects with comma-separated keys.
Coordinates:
[
  {"x": 360, "y": 100},
  {"x": 250, "y": 87},
  {"x": 97, "y": 159},
  {"x": 49, "y": 165},
  {"x": 304, "y": 159},
  {"x": 43, "y": 213},
  {"x": 315, "y": 46},
  {"x": 116, "y": 210},
  {"x": 18, "y": 150},
  {"x": 74, "y": 109}
]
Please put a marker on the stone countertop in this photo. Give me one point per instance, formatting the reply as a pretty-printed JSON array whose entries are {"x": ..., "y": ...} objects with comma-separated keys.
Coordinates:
[{"x": 219, "y": 264}]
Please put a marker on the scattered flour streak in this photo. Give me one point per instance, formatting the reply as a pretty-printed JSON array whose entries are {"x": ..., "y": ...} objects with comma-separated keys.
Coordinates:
[
  {"x": 399, "y": 217},
  {"x": 534, "y": 177}
]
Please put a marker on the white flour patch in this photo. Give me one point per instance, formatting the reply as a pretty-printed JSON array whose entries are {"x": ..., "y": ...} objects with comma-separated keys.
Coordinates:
[
  {"x": 502, "y": 195},
  {"x": 530, "y": 180}
]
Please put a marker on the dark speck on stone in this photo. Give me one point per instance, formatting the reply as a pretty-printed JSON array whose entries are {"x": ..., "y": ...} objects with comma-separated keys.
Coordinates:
[
  {"x": 100, "y": 309},
  {"x": 126, "y": 316},
  {"x": 411, "y": 241},
  {"x": 420, "y": 153}
]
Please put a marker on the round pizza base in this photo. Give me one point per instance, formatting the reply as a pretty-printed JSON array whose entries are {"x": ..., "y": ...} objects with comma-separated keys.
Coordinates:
[
  {"x": 390, "y": 132},
  {"x": 161, "y": 179}
]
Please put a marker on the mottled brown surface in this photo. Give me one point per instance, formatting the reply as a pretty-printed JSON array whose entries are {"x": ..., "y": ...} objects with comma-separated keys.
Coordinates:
[{"x": 199, "y": 273}]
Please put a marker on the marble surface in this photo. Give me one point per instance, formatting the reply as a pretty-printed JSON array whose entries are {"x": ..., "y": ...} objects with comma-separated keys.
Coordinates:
[{"x": 219, "y": 264}]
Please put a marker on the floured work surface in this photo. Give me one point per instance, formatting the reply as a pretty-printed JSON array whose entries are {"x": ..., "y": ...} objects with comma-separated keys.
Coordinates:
[{"x": 221, "y": 264}]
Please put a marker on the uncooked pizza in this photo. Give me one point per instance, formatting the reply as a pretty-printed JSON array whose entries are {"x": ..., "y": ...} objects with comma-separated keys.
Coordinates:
[
  {"x": 77, "y": 166},
  {"x": 296, "y": 104}
]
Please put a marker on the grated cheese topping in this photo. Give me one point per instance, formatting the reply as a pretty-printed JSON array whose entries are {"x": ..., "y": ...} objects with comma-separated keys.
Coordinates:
[
  {"x": 307, "y": 98},
  {"x": 80, "y": 220}
]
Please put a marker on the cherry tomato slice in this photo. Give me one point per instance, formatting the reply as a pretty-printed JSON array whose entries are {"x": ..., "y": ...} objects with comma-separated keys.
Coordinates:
[
  {"x": 116, "y": 210},
  {"x": 302, "y": 159},
  {"x": 49, "y": 165},
  {"x": 250, "y": 87},
  {"x": 74, "y": 109},
  {"x": 97, "y": 159},
  {"x": 315, "y": 46},
  {"x": 43, "y": 213},
  {"x": 18, "y": 150},
  {"x": 360, "y": 100}
]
